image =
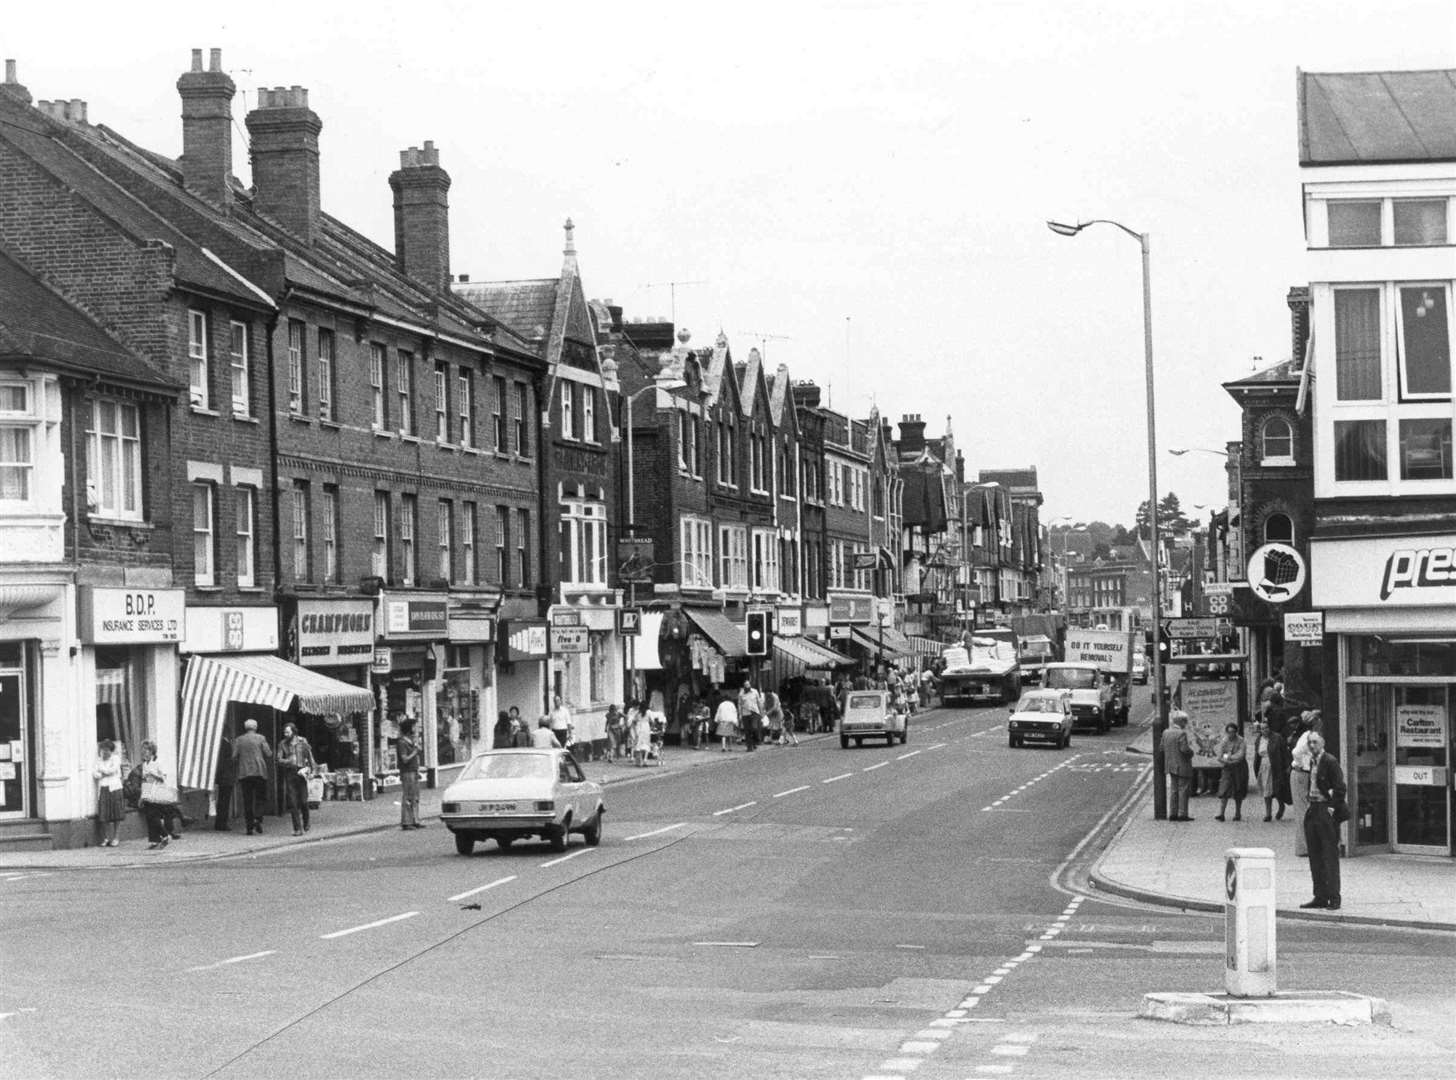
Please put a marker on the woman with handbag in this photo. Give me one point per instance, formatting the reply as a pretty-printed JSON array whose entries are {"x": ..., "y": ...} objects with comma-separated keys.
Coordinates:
[
  {"x": 159, "y": 799},
  {"x": 295, "y": 766}
]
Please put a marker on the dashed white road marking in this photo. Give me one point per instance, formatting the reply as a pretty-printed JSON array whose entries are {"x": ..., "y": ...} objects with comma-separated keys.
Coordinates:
[
  {"x": 480, "y": 889},
  {"x": 655, "y": 832},
  {"x": 937, "y": 746},
  {"x": 1010, "y": 1049},
  {"x": 233, "y": 960},
  {"x": 841, "y": 776},
  {"x": 911, "y": 754},
  {"x": 574, "y": 854},
  {"x": 872, "y": 768},
  {"x": 734, "y": 809},
  {"x": 368, "y": 926},
  {"x": 792, "y": 791}
]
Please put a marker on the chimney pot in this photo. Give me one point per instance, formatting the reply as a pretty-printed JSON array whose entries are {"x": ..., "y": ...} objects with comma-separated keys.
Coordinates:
[
  {"x": 215, "y": 60},
  {"x": 196, "y": 59},
  {"x": 207, "y": 130},
  {"x": 10, "y": 71}
]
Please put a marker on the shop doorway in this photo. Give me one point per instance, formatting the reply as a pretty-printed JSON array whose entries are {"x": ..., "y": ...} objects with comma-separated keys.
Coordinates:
[
  {"x": 1422, "y": 769},
  {"x": 14, "y": 743}
]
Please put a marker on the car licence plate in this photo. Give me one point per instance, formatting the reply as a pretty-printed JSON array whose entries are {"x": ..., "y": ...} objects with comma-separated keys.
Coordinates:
[{"x": 497, "y": 808}]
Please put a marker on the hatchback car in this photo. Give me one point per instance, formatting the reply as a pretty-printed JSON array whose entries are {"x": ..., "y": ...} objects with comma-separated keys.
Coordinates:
[
  {"x": 1041, "y": 716},
  {"x": 1140, "y": 668},
  {"x": 868, "y": 714},
  {"x": 506, "y": 795}
]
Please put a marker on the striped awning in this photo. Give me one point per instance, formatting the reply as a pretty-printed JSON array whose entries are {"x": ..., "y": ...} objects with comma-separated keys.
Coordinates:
[
  {"x": 890, "y": 641},
  {"x": 925, "y": 646},
  {"x": 810, "y": 653},
  {"x": 213, "y": 681},
  {"x": 725, "y": 634}
]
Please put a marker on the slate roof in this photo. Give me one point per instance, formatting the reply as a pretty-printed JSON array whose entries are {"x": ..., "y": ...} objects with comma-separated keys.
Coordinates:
[
  {"x": 37, "y": 324},
  {"x": 1378, "y": 116},
  {"x": 524, "y": 306},
  {"x": 1015, "y": 479},
  {"x": 1284, "y": 373}
]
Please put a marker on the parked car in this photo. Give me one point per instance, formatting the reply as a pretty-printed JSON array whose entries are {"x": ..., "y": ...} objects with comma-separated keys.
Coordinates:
[
  {"x": 1140, "y": 668},
  {"x": 507, "y": 795},
  {"x": 869, "y": 715},
  {"x": 1041, "y": 716}
]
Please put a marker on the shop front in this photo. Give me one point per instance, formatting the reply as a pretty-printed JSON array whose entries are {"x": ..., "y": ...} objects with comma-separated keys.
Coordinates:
[
  {"x": 522, "y": 656},
  {"x": 128, "y": 671},
  {"x": 465, "y": 687},
  {"x": 335, "y": 636},
  {"x": 587, "y": 662},
  {"x": 409, "y": 655},
  {"x": 1390, "y": 615}
]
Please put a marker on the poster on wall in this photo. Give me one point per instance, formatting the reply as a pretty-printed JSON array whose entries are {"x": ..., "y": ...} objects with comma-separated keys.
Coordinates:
[
  {"x": 1209, "y": 705},
  {"x": 1420, "y": 726}
]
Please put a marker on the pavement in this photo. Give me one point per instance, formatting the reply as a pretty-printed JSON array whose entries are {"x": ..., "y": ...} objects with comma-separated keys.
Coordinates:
[{"x": 1172, "y": 864}]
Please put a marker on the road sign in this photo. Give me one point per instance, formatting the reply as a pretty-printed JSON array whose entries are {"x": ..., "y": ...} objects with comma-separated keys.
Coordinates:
[{"x": 1193, "y": 629}]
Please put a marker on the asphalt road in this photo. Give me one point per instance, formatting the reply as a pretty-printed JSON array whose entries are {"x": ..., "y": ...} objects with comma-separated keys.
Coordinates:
[{"x": 809, "y": 912}]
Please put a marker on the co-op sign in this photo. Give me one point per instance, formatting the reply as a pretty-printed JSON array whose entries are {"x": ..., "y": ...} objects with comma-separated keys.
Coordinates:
[{"x": 1400, "y": 571}]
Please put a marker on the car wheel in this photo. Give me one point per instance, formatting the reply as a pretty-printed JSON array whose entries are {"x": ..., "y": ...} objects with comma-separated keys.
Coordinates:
[
  {"x": 1011, "y": 741},
  {"x": 592, "y": 834},
  {"x": 464, "y": 843},
  {"x": 504, "y": 842},
  {"x": 561, "y": 836},
  {"x": 844, "y": 742},
  {"x": 859, "y": 740}
]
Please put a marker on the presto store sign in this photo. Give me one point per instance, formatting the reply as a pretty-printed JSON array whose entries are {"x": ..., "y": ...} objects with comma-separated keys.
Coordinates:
[{"x": 1397, "y": 571}]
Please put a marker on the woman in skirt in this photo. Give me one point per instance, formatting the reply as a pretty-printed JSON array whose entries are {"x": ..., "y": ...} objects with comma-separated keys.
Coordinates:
[
  {"x": 110, "y": 802},
  {"x": 1233, "y": 781}
]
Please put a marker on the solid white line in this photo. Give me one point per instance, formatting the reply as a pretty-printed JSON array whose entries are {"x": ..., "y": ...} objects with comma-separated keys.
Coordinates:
[
  {"x": 368, "y": 926},
  {"x": 872, "y": 768},
  {"x": 841, "y": 776},
  {"x": 912, "y": 753},
  {"x": 654, "y": 832},
  {"x": 729, "y": 944},
  {"x": 482, "y": 888},
  {"x": 574, "y": 854},
  {"x": 234, "y": 960},
  {"x": 792, "y": 791},
  {"x": 731, "y": 809}
]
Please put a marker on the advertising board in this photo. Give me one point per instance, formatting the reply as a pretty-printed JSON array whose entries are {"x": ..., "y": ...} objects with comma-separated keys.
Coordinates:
[
  {"x": 1209, "y": 705},
  {"x": 1110, "y": 650}
]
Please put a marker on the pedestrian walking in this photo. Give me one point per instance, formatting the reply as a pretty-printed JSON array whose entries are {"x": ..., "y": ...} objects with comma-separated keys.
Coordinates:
[
  {"x": 110, "y": 801},
  {"x": 1299, "y": 765},
  {"x": 1322, "y": 819},
  {"x": 698, "y": 720},
  {"x": 725, "y": 722},
  {"x": 1177, "y": 764},
  {"x": 159, "y": 798},
  {"x": 543, "y": 738},
  {"x": 617, "y": 738},
  {"x": 1271, "y": 769},
  {"x": 251, "y": 759},
  {"x": 407, "y": 756},
  {"x": 1233, "y": 780},
  {"x": 561, "y": 725},
  {"x": 224, "y": 779},
  {"x": 295, "y": 766},
  {"x": 750, "y": 715}
]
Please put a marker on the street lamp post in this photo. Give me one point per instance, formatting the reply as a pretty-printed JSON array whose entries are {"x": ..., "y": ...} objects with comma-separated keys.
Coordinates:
[
  {"x": 1160, "y": 717},
  {"x": 666, "y": 384}
]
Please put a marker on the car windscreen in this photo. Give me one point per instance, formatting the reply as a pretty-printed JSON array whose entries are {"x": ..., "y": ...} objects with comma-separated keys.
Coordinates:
[
  {"x": 866, "y": 701},
  {"x": 1071, "y": 679},
  {"x": 509, "y": 767},
  {"x": 1039, "y": 704}
]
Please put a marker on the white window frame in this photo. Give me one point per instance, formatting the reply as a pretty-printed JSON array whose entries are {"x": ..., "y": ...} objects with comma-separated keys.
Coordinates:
[
  {"x": 696, "y": 541},
  {"x": 589, "y": 413},
  {"x": 409, "y": 519},
  {"x": 733, "y": 560},
  {"x": 245, "y": 520},
  {"x": 568, "y": 407},
  {"x": 523, "y": 547},
  {"x": 442, "y": 404},
  {"x": 1399, "y": 288},
  {"x": 766, "y": 560},
  {"x": 445, "y": 528},
  {"x": 327, "y": 355},
  {"x": 299, "y": 505},
  {"x": 379, "y": 556},
  {"x": 404, "y": 386},
  {"x": 114, "y": 462},
  {"x": 238, "y": 368},
  {"x": 297, "y": 334},
  {"x": 465, "y": 406},
  {"x": 500, "y": 416},
  {"x": 26, "y": 422},
  {"x": 204, "y": 536},
  {"x": 583, "y": 541},
  {"x": 523, "y": 403},
  {"x": 377, "y": 383},
  {"x": 1267, "y": 459},
  {"x": 329, "y": 533},
  {"x": 469, "y": 569},
  {"x": 198, "y": 361}
]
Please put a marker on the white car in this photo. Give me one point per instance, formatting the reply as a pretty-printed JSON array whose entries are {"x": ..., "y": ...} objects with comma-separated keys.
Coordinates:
[
  {"x": 1041, "y": 716},
  {"x": 868, "y": 714},
  {"x": 506, "y": 795},
  {"x": 1140, "y": 667}
]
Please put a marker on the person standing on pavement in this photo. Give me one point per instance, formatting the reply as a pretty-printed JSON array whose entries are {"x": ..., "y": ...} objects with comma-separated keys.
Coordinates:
[
  {"x": 750, "y": 714},
  {"x": 251, "y": 758},
  {"x": 159, "y": 798},
  {"x": 224, "y": 777},
  {"x": 110, "y": 802},
  {"x": 543, "y": 738},
  {"x": 1233, "y": 780},
  {"x": 1322, "y": 818},
  {"x": 561, "y": 722},
  {"x": 295, "y": 766},
  {"x": 407, "y": 756},
  {"x": 1299, "y": 766},
  {"x": 1271, "y": 768},
  {"x": 640, "y": 719},
  {"x": 725, "y": 721},
  {"x": 1177, "y": 764}
]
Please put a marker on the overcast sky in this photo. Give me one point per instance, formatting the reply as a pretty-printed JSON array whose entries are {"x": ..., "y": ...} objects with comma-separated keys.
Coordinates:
[{"x": 857, "y": 188}]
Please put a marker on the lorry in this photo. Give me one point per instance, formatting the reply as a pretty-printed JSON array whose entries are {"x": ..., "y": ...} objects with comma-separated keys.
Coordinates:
[
  {"x": 1097, "y": 669},
  {"x": 1035, "y": 652},
  {"x": 986, "y": 667}
]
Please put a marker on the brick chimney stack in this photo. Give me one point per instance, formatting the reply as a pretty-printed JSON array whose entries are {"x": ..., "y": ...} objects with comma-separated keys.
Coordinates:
[
  {"x": 207, "y": 129},
  {"x": 284, "y": 135},
  {"x": 1298, "y": 301},
  {"x": 422, "y": 217},
  {"x": 912, "y": 433},
  {"x": 12, "y": 87}
]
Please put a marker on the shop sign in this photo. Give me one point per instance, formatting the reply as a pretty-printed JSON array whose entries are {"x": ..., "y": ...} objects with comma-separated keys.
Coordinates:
[
  {"x": 1276, "y": 573},
  {"x": 851, "y": 608},
  {"x": 630, "y": 622},
  {"x": 334, "y": 632},
  {"x": 570, "y": 639},
  {"x": 1420, "y": 726},
  {"x": 131, "y": 616},
  {"x": 525, "y": 641},
  {"x": 408, "y": 616},
  {"x": 839, "y": 632},
  {"x": 1210, "y": 706},
  {"x": 789, "y": 622},
  {"x": 1304, "y": 627},
  {"x": 465, "y": 624},
  {"x": 217, "y": 630},
  {"x": 1420, "y": 776},
  {"x": 566, "y": 618},
  {"x": 383, "y": 660},
  {"x": 1387, "y": 572},
  {"x": 634, "y": 560}
]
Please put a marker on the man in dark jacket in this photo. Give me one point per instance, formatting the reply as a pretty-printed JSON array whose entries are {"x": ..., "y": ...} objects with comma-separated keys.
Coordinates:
[
  {"x": 251, "y": 758},
  {"x": 1322, "y": 824},
  {"x": 224, "y": 777},
  {"x": 1177, "y": 765}
]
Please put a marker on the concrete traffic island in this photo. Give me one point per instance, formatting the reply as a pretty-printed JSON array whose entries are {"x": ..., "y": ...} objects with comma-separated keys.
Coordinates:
[{"x": 1310, "y": 1007}]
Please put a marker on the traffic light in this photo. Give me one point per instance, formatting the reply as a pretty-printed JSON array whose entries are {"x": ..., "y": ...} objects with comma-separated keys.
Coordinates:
[{"x": 756, "y": 633}]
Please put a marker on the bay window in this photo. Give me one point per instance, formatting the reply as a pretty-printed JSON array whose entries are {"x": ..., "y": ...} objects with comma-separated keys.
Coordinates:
[
  {"x": 1425, "y": 448},
  {"x": 1360, "y": 450},
  {"x": 19, "y": 421},
  {"x": 1357, "y": 344}
]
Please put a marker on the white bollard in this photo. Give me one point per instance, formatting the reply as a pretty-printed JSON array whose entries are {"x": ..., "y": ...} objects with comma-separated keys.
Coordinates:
[{"x": 1248, "y": 881}]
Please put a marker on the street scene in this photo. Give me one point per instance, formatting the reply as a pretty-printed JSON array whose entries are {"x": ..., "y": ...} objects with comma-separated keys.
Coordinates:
[{"x": 836, "y": 540}]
